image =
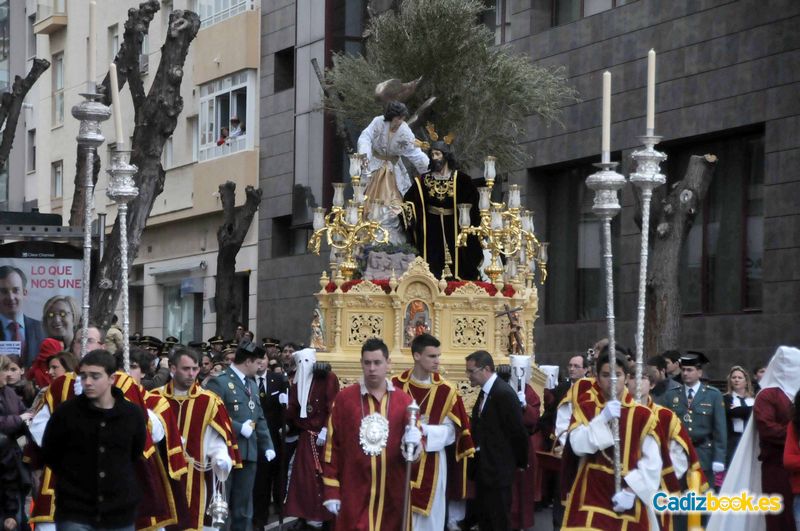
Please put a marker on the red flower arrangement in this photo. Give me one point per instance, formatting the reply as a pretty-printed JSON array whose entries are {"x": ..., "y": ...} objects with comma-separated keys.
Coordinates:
[{"x": 508, "y": 290}]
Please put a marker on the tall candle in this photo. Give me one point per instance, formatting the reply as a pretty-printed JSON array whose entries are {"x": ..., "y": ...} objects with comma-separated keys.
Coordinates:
[
  {"x": 651, "y": 91},
  {"x": 112, "y": 74},
  {"x": 92, "y": 47},
  {"x": 606, "y": 143}
]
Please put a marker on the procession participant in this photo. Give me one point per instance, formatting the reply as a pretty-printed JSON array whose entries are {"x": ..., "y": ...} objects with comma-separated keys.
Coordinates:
[
  {"x": 385, "y": 140},
  {"x": 272, "y": 347},
  {"x": 702, "y": 410},
  {"x": 94, "y": 340},
  {"x": 522, "y": 499},
  {"x": 501, "y": 442},
  {"x": 431, "y": 220},
  {"x": 273, "y": 393},
  {"x": 157, "y": 508},
  {"x": 310, "y": 400},
  {"x": 772, "y": 413},
  {"x": 239, "y": 393},
  {"x": 677, "y": 452},
  {"x": 205, "y": 425},
  {"x": 590, "y": 440},
  {"x": 217, "y": 343},
  {"x": 444, "y": 423},
  {"x": 93, "y": 443},
  {"x": 366, "y": 428}
]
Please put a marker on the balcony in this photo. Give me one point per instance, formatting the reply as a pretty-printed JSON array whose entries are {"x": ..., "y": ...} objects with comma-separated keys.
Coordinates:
[{"x": 50, "y": 17}]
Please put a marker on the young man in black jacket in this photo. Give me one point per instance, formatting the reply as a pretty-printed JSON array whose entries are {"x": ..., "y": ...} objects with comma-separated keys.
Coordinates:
[{"x": 92, "y": 443}]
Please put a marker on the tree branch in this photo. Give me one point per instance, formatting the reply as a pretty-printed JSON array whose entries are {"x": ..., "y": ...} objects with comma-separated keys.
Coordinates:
[{"x": 11, "y": 105}]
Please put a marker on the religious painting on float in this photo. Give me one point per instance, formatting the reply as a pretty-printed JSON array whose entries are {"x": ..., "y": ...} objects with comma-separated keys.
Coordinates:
[{"x": 417, "y": 321}]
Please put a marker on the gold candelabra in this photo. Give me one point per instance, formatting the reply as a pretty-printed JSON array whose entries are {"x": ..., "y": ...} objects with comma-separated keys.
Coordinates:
[
  {"x": 507, "y": 230},
  {"x": 347, "y": 227}
]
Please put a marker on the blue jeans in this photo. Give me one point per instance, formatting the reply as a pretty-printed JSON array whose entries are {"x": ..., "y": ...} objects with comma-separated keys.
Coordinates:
[{"x": 76, "y": 526}]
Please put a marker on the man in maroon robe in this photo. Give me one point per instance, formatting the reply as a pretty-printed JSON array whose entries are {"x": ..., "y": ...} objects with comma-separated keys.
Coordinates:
[
  {"x": 310, "y": 400},
  {"x": 364, "y": 467}
]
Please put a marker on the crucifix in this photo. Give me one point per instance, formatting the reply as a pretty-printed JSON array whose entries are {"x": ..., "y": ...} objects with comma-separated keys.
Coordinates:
[{"x": 515, "y": 343}]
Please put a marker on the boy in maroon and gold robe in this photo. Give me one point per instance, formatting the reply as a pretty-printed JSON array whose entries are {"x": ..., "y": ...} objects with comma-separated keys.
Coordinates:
[
  {"x": 204, "y": 423},
  {"x": 592, "y": 502},
  {"x": 364, "y": 467}
]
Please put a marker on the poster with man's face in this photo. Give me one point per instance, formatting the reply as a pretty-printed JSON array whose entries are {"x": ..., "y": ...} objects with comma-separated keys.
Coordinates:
[{"x": 41, "y": 286}]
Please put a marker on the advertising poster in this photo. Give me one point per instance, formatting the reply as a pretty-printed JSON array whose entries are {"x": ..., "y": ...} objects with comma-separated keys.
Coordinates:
[{"x": 41, "y": 288}]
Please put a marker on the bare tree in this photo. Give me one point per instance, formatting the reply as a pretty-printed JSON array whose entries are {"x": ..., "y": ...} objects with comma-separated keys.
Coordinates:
[
  {"x": 672, "y": 214},
  {"x": 11, "y": 105},
  {"x": 230, "y": 236},
  {"x": 155, "y": 116},
  {"x": 127, "y": 61}
]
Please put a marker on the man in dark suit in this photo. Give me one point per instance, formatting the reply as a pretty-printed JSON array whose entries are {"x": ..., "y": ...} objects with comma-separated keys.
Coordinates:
[
  {"x": 16, "y": 325},
  {"x": 273, "y": 391},
  {"x": 239, "y": 392},
  {"x": 500, "y": 440}
]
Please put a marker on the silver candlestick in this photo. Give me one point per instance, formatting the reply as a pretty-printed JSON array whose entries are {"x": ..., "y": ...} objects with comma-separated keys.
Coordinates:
[
  {"x": 647, "y": 177},
  {"x": 90, "y": 112},
  {"x": 122, "y": 190},
  {"x": 605, "y": 184}
]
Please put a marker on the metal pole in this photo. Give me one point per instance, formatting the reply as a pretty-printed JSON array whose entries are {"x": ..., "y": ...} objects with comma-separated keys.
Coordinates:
[
  {"x": 122, "y": 190},
  {"x": 605, "y": 184},
  {"x": 101, "y": 234},
  {"x": 646, "y": 177},
  {"x": 90, "y": 113}
]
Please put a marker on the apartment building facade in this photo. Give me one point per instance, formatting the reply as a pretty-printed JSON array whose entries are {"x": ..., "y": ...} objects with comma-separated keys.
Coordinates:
[
  {"x": 173, "y": 276},
  {"x": 727, "y": 84}
]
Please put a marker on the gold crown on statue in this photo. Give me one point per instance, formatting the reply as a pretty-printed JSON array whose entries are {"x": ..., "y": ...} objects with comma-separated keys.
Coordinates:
[{"x": 434, "y": 136}]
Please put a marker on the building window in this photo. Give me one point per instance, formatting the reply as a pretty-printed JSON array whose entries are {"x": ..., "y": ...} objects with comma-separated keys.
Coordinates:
[
  {"x": 144, "y": 54},
  {"x": 566, "y": 11},
  {"x": 166, "y": 158},
  {"x": 31, "y": 150},
  {"x": 183, "y": 310},
  {"x": 578, "y": 292},
  {"x": 721, "y": 263},
  {"x": 113, "y": 41},
  {"x": 346, "y": 26},
  {"x": 284, "y": 70},
  {"x": 213, "y": 11},
  {"x": 31, "y": 36},
  {"x": 58, "y": 89},
  {"x": 498, "y": 19},
  {"x": 194, "y": 134},
  {"x": 57, "y": 179},
  {"x": 222, "y": 103},
  {"x": 288, "y": 240}
]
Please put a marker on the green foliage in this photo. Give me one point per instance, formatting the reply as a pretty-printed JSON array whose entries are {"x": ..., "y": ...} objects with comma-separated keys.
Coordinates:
[{"x": 485, "y": 93}]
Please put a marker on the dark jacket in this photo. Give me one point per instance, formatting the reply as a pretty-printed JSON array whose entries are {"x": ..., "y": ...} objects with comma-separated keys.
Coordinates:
[
  {"x": 93, "y": 453},
  {"x": 501, "y": 436},
  {"x": 11, "y": 407},
  {"x": 13, "y": 484},
  {"x": 34, "y": 334}
]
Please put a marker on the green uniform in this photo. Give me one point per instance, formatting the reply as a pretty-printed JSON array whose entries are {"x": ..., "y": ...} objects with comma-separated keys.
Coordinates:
[
  {"x": 243, "y": 405},
  {"x": 704, "y": 420}
]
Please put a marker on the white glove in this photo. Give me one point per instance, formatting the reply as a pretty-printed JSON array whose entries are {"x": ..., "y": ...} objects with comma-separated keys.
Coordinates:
[
  {"x": 623, "y": 501},
  {"x": 77, "y": 386},
  {"x": 322, "y": 437},
  {"x": 521, "y": 397},
  {"x": 247, "y": 430},
  {"x": 222, "y": 467},
  {"x": 611, "y": 411},
  {"x": 333, "y": 506},
  {"x": 283, "y": 399},
  {"x": 270, "y": 455},
  {"x": 717, "y": 467}
]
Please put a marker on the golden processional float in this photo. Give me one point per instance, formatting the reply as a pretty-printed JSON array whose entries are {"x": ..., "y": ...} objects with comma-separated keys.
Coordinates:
[{"x": 407, "y": 300}]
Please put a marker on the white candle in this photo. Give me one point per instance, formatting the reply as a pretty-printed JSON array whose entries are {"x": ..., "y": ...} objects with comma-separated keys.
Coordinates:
[
  {"x": 651, "y": 91},
  {"x": 112, "y": 74},
  {"x": 92, "y": 48},
  {"x": 606, "y": 142}
]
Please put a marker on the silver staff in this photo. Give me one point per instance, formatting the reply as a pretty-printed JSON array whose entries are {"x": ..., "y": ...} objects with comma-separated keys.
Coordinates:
[
  {"x": 90, "y": 112},
  {"x": 413, "y": 412},
  {"x": 647, "y": 177},
  {"x": 122, "y": 190},
  {"x": 605, "y": 184}
]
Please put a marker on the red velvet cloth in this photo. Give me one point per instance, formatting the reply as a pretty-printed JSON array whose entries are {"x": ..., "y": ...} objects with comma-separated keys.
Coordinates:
[
  {"x": 773, "y": 413},
  {"x": 791, "y": 458}
]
